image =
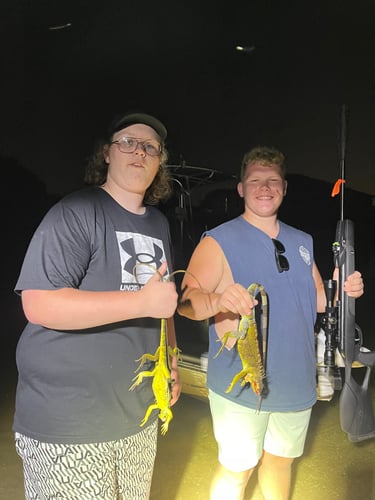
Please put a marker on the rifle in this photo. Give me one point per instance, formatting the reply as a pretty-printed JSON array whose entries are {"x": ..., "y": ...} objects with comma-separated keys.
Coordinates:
[{"x": 341, "y": 330}]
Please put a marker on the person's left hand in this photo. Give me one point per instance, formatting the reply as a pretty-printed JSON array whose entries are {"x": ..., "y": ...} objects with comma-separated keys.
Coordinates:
[
  {"x": 354, "y": 285},
  {"x": 176, "y": 386}
]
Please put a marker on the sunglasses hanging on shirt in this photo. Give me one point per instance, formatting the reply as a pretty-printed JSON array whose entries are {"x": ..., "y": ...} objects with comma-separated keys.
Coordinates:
[{"x": 281, "y": 261}]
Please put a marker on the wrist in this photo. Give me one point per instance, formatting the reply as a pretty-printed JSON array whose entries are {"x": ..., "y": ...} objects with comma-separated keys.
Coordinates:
[{"x": 213, "y": 303}]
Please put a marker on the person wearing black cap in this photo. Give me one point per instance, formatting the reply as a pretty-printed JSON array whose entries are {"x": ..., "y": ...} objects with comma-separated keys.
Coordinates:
[{"x": 94, "y": 288}]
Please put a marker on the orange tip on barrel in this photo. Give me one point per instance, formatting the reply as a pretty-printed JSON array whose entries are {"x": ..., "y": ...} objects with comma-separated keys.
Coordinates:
[{"x": 336, "y": 188}]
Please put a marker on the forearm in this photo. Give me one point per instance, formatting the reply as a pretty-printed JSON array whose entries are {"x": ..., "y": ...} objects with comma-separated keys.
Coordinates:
[
  {"x": 198, "y": 305},
  {"x": 72, "y": 309},
  {"x": 321, "y": 300}
]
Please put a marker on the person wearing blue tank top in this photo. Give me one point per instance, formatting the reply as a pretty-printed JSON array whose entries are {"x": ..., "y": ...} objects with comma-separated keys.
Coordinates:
[
  {"x": 266, "y": 431},
  {"x": 93, "y": 296}
]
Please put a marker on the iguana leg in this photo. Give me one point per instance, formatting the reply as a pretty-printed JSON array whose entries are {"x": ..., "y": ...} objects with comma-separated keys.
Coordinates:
[
  {"x": 151, "y": 357},
  {"x": 138, "y": 379},
  {"x": 235, "y": 379},
  {"x": 148, "y": 413}
]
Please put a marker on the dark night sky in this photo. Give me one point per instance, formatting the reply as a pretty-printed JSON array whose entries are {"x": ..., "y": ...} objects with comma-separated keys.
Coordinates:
[{"x": 178, "y": 60}]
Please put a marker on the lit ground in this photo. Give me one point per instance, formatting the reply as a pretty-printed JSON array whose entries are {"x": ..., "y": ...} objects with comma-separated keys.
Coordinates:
[{"x": 332, "y": 467}]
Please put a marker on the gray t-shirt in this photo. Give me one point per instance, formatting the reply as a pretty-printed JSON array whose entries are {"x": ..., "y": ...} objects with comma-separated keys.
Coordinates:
[{"x": 73, "y": 386}]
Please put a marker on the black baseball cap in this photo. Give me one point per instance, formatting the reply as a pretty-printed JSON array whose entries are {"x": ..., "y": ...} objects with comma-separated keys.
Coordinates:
[{"x": 128, "y": 119}]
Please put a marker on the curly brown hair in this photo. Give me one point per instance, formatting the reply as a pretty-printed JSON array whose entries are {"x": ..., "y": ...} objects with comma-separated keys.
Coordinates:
[
  {"x": 97, "y": 169},
  {"x": 264, "y": 154}
]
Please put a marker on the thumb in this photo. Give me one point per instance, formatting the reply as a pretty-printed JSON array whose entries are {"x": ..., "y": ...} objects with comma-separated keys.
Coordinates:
[
  {"x": 163, "y": 268},
  {"x": 160, "y": 272}
]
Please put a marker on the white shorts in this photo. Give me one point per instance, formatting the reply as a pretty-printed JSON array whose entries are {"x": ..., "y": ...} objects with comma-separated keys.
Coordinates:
[{"x": 242, "y": 434}]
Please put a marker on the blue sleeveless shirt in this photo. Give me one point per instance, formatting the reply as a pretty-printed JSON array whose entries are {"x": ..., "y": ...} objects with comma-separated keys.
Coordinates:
[{"x": 291, "y": 362}]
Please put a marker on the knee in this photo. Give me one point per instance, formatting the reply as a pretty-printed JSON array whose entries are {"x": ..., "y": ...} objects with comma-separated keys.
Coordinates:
[
  {"x": 238, "y": 478},
  {"x": 276, "y": 462}
]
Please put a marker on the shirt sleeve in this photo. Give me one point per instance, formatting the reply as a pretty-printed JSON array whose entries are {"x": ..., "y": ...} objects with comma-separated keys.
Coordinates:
[{"x": 58, "y": 253}]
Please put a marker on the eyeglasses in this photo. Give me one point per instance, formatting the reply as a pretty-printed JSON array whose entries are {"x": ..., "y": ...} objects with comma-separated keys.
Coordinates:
[
  {"x": 130, "y": 144},
  {"x": 281, "y": 261}
]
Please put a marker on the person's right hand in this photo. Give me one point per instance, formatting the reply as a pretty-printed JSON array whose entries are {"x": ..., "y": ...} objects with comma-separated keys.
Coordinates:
[
  {"x": 236, "y": 299},
  {"x": 160, "y": 297}
]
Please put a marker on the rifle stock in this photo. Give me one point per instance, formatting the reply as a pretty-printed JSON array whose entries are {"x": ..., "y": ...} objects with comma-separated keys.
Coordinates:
[
  {"x": 344, "y": 259},
  {"x": 356, "y": 411}
]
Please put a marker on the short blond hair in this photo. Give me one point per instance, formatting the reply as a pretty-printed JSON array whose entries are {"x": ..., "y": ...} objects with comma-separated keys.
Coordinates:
[{"x": 264, "y": 154}]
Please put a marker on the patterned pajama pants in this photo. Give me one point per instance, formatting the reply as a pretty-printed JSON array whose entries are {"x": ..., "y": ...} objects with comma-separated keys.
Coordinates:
[{"x": 114, "y": 470}]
